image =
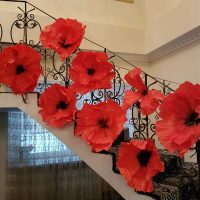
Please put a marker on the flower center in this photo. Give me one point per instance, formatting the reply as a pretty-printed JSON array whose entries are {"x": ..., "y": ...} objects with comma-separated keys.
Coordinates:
[
  {"x": 144, "y": 92},
  {"x": 192, "y": 119},
  {"x": 102, "y": 123},
  {"x": 64, "y": 44},
  {"x": 62, "y": 105},
  {"x": 90, "y": 71},
  {"x": 144, "y": 157},
  {"x": 20, "y": 69}
]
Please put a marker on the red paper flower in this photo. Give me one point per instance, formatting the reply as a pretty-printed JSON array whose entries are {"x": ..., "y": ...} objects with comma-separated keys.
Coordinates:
[
  {"x": 179, "y": 127},
  {"x": 149, "y": 99},
  {"x": 138, "y": 161},
  {"x": 20, "y": 68},
  {"x": 91, "y": 71},
  {"x": 63, "y": 36},
  {"x": 100, "y": 125},
  {"x": 58, "y": 105}
]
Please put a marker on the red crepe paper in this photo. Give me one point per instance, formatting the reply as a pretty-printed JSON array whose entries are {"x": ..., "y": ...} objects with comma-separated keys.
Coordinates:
[
  {"x": 57, "y": 105},
  {"x": 91, "y": 71},
  {"x": 149, "y": 99},
  {"x": 20, "y": 68},
  {"x": 179, "y": 127},
  {"x": 64, "y": 36},
  {"x": 138, "y": 161},
  {"x": 100, "y": 125}
]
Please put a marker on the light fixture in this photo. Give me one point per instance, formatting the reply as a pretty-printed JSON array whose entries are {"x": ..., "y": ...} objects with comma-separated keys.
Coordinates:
[{"x": 127, "y": 1}]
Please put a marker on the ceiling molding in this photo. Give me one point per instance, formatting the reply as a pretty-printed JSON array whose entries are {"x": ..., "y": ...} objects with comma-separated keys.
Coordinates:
[
  {"x": 131, "y": 57},
  {"x": 172, "y": 46},
  {"x": 180, "y": 42}
]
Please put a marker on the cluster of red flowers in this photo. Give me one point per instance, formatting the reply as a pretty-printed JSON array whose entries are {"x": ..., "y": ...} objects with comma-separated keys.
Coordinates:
[{"x": 99, "y": 125}]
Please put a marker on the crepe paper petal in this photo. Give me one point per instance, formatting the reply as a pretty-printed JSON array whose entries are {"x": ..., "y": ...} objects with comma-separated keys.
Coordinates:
[
  {"x": 133, "y": 78},
  {"x": 20, "y": 68},
  {"x": 64, "y": 36},
  {"x": 100, "y": 125},
  {"x": 57, "y": 105},
  {"x": 151, "y": 101},
  {"x": 139, "y": 161},
  {"x": 130, "y": 98},
  {"x": 179, "y": 127}
]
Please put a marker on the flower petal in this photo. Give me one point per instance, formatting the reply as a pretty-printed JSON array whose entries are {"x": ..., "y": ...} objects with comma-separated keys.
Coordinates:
[
  {"x": 133, "y": 78},
  {"x": 148, "y": 105},
  {"x": 130, "y": 98}
]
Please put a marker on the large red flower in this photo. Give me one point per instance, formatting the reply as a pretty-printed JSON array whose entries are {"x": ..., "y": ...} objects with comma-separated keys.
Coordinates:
[
  {"x": 138, "y": 161},
  {"x": 91, "y": 71},
  {"x": 100, "y": 125},
  {"x": 58, "y": 105},
  {"x": 179, "y": 127},
  {"x": 63, "y": 36},
  {"x": 20, "y": 68},
  {"x": 149, "y": 99}
]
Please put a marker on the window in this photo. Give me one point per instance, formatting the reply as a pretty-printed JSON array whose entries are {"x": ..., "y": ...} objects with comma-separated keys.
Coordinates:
[{"x": 31, "y": 144}]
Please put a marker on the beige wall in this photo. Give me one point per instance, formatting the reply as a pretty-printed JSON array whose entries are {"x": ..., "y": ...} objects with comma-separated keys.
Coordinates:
[
  {"x": 133, "y": 28},
  {"x": 179, "y": 66},
  {"x": 169, "y": 19},
  {"x": 157, "y": 8},
  {"x": 116, "y": 25},
  {"x": 144, "y": 65},
  {"x": 103, "y": 12}
]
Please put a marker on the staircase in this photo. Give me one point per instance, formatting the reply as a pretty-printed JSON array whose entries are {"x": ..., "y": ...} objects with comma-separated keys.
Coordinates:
[
  {"x": 25, "y": 21},
  {"x": 101, "y": 164}
]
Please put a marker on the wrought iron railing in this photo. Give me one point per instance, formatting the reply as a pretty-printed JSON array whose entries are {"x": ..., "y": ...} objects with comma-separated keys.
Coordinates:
[{"x": 26, "y": 29}]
